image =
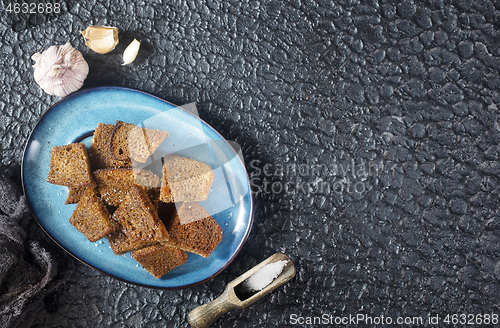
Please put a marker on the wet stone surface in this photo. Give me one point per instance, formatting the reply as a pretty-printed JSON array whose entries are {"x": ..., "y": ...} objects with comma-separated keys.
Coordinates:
[{"x": 379, "y": 122}]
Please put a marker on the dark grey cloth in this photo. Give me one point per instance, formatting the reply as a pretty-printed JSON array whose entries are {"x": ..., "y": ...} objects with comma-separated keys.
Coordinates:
[{"x": 28, "y": 270}]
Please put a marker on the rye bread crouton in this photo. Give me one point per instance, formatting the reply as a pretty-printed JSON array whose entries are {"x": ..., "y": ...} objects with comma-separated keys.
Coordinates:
[
  {"x": 160, "y": 259},
  {"x": 91, "y": 217},
  {"x": 99, "y": 152},
  {"x": 200, "y": 235},
  {"x": 114, "y": 183},
  {"x": 185, "y": 180},
  {"x": 129, "y": 141},
  {"x": 69, "y": 166},
  {"x": 139, "y": 218}
]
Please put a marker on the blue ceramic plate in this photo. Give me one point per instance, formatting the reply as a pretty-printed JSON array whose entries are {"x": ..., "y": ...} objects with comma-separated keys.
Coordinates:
[{"x": 74, "y": 118}]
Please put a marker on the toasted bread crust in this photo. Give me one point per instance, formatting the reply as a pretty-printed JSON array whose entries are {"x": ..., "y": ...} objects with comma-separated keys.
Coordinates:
[
  {"x": 99, "y": 152},
  {"x": 129, "y": 141},
  {"x": 154, "y": 138},
  {"x": 75, "y": 194},
  {"x": 200, "y": 236},
  {"x": 91, "y": 217},
  {"x": 114, "y": 183},
  {"x": 139, "y": 218},
  {"x": 185, "y": 180},
  {"x": 118, "y": 143},
  {"x": 120, "y": 243},
  {"x": 69, "y": 166},
  {"x": 160, "y": 259}
]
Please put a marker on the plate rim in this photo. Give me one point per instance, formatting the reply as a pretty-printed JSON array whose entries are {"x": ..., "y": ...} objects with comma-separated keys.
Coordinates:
[{"x": 127, "y": 89}]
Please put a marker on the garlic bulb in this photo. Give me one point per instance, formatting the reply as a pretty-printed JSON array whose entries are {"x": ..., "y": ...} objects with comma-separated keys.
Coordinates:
[
  {"x": 131, "y": 52},
  {"x": 60, "y": 70},
  {"x": 101, "y": 39}
]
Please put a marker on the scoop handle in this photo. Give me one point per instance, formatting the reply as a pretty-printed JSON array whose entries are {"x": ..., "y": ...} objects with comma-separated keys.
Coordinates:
[{"x": 205, "y": 315}]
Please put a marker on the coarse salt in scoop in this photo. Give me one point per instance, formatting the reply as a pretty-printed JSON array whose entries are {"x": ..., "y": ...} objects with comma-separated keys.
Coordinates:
[
  {"x": 264, "y": 276},
  {"x": 245, "y": 289}
]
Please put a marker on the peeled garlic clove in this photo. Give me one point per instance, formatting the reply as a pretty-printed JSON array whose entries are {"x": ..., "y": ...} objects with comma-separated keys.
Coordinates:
[
  {"x": 101, "y": 39},
  {"x": 131, "y": 52},
  {"x": 60, "y": 70}
]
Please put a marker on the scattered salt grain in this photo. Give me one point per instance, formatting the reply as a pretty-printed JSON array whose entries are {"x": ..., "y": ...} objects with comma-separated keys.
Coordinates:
[{"x": 264, "y": 276}]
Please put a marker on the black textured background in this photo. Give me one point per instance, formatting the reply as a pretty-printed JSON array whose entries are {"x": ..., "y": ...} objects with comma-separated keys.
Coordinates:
[{"x": 407, "y": 89}]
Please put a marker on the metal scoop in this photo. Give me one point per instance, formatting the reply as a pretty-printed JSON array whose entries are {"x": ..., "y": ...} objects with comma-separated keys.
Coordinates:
[{"x": 236, "y": 297}]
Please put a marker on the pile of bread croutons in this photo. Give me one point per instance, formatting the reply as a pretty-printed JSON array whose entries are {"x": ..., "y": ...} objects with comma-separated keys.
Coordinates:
[{"x": 157, "y": 219}]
